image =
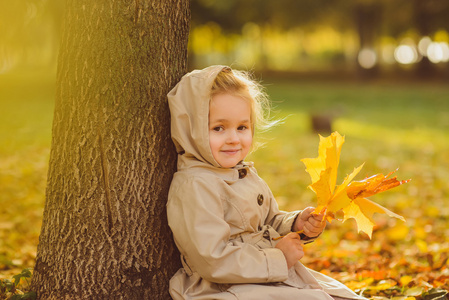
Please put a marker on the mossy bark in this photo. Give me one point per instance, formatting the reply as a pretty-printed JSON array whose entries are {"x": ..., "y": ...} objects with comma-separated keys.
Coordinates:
[{"x": 104, "y": 233}]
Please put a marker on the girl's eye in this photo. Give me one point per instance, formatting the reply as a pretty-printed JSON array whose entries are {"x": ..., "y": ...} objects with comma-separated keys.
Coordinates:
[
  {"x": 242, "y": 127},
  {"x": 218, "y": 128}
]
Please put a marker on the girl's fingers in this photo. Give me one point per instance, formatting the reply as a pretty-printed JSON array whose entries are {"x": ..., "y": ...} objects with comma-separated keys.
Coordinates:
[
  {"x": 305, "y": 214},
  {"x": 307, "y": 231},
  {"x": 319, "y": 217},
  {"x": 293, "y": 235},
  {"x": 311, "y": 230},
  {"x": 314, "y": 222}
]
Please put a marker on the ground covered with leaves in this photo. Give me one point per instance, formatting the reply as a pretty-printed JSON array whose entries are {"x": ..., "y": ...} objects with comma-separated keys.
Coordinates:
[{"x": 386, "y": 125}]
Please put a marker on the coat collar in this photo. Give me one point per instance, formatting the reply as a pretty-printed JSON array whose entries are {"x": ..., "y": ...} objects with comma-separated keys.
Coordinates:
[{"x": 230, "y": 175}]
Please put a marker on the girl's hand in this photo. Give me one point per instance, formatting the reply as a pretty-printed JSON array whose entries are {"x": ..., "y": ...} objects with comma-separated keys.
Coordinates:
[
  {"x": 312, "y": 225},
  {"x": 291, "y": 246}
]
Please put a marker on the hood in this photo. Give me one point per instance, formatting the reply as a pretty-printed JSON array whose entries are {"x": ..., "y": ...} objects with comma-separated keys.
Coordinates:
[{"x": 189, "y": 110}]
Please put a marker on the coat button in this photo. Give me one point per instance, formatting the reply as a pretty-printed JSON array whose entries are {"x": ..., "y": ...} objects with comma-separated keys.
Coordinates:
[
  {"x": 260, "y": 199},
  {"x": 242, "y": 173}
]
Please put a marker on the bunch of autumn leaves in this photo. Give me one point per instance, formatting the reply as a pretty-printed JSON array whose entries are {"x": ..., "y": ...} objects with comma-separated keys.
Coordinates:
[{"x": 348, "y": 198}]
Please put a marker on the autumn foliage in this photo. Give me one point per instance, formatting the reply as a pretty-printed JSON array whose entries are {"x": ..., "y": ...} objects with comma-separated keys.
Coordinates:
[{"x": 349, "y": 197}]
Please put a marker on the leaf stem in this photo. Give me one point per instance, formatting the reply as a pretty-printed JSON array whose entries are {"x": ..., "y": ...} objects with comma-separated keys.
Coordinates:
[{"x": 280, "y": 237}]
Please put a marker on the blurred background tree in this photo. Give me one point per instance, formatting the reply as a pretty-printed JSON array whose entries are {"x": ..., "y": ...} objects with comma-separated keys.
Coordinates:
[
  {"x": 29, "y": 35},
  {"x": 363, "y": 37},
  {"x": 357, "y": 38}
]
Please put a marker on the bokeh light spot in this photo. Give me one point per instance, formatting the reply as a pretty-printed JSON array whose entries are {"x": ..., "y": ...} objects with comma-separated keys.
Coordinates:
[
  {"x": 423, "y": 45},
  {"x": 405, "y": 54},
  {"x": 367, "y": 58},
  {"x": 438, "y": 52}
]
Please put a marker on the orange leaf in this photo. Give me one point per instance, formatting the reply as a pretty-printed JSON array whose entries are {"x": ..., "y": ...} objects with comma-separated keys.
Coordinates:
[{"x": 372, "y": 185}]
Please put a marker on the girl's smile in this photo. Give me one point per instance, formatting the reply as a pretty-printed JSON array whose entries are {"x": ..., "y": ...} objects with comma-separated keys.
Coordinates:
[{"x": 230, "y": 152}]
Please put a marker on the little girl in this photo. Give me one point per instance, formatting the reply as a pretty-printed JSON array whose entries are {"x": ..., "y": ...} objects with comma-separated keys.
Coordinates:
[{"x": 222, "y": 214}]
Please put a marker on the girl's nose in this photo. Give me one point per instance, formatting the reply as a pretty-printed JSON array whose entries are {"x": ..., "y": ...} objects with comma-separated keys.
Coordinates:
[{"x": 232, "y": 137}]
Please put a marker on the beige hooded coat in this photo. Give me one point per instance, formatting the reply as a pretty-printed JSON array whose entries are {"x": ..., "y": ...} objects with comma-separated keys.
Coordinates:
[{"x": 223, "y": 219}]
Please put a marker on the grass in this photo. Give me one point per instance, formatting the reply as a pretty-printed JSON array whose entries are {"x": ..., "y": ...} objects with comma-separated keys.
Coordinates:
[{"x": 386, "y": 125}]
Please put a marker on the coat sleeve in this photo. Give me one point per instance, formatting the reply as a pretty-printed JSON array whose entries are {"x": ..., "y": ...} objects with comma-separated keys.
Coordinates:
[
  {"x": 281, "y": 221},
  {"x": 196, "y": 217}
]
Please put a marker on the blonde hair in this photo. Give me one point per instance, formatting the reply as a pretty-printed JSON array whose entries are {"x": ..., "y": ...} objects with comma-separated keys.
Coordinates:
[{"x": 240, "y": 84}]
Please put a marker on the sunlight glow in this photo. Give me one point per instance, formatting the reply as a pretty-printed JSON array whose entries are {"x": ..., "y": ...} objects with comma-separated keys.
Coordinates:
[
  {"x": 367, "y": 58},
  {"x": 438, "y": 52},
  {"x": 388, "y": 54},
  {"x": 423, "y": 45},
  {"x": 7, "y": 60},
  {"x": 406, "y": 54}
]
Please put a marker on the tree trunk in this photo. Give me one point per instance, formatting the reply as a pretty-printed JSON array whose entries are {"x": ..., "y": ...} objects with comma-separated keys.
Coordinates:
[
  {"x": 368, "y": 17},
  {"x": 104, "y": 233},
  {"x": 421, "y": 19}
]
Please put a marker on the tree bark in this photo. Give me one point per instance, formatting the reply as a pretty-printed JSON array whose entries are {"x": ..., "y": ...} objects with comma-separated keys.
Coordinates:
[{"x": 104, "y": 233}]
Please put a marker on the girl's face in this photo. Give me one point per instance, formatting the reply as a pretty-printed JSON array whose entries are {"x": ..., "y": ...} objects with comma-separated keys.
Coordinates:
[{"x": 230, "y": 134}]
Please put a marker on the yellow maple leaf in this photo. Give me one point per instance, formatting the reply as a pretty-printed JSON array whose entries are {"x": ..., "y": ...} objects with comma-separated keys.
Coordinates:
[{"x": 347, "y": 197}]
